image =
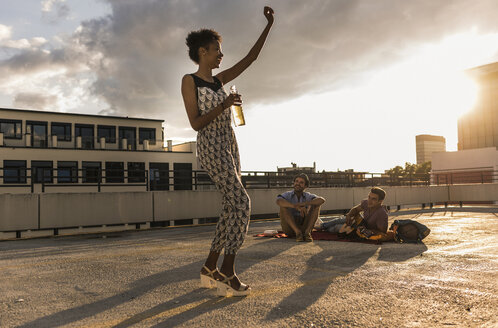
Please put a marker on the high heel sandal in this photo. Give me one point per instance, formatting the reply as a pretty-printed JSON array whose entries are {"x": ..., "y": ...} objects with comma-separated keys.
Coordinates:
[
  {"x": 225, "y": 289},
  {"x": 207, "y": 280}
]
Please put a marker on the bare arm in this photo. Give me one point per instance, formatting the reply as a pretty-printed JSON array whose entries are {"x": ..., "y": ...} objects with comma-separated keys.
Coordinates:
[
  {"x": 318, "y": 201},
  {"x": 234, "y": 71},
  {"x": 284, "y": 203},
  {"x": 353, "y": 212},
  {"x": 301, "y": 207},
  {"x": 198, "y": 121}
]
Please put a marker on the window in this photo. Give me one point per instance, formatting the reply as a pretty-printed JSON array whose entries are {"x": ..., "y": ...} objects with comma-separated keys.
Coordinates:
[
  {"x": 14, "y": 171},
  {"x": 91, "y": 172},
  {"x": 38, "y": 132},
  {"x": 136, "y": 172},
  {"x": 159, "y": 176},
  {"x": 182, "y": 176},
  {"x": 108, "y": 132},
  {"x": 11, "y": 129},
  {"x": 85, "y": 131},
  {"x": 147, "y": 134},
  {"x": 114, "y": 172},
  {"x": 42, "y": 171},
  {"x": 67, "y": 172},
  {"x": 129, "y": 135},
  {"x": 62, "y": 131}
]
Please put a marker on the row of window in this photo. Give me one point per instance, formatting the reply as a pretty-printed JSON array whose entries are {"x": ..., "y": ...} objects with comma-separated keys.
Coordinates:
[
  {"x": 14, "y": 172},
  {"x": 12, "y": 129}
]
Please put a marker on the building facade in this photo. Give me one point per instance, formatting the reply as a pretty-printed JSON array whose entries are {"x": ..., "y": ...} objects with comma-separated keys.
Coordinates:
[
  {"x": 465, "y": 166},
  {"x": 426, "y": 145},
  {"x": 64, "y": 152},
  {"x": 479, "y": 127},
  {"x": 476, "y": 160}
]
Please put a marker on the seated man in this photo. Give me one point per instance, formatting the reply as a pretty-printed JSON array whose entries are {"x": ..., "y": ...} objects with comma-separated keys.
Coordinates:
[
  {"x": 375, "y": 216},
  {"x": 299, "y": 210}
]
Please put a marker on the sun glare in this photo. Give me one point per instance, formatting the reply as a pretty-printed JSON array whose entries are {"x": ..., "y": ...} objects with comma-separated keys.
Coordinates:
[{"x": 431, "y": 80}]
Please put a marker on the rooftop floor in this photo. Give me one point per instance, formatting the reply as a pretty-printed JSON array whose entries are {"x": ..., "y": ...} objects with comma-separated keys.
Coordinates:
[{"x": 150, "y": 279}]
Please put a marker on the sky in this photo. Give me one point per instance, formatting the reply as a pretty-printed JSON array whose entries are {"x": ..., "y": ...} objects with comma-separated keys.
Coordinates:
[{"x": 347, "y": 84}]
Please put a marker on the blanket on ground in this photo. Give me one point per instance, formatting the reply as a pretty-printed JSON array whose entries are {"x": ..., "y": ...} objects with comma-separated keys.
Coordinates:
[{"x": 323, "y": 235}]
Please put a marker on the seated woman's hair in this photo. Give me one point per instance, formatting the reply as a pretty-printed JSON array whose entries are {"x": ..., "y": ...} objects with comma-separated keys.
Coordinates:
[{"x": 201, "y": 38}]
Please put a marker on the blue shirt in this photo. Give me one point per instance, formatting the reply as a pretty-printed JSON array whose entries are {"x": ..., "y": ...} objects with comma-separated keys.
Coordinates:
[{"x": 291, "y": 197}]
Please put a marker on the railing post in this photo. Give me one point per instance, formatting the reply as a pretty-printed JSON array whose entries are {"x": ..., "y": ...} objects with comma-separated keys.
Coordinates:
[
  {"x": 99, "y": 179},
  {"x": 147, "y": 180}
]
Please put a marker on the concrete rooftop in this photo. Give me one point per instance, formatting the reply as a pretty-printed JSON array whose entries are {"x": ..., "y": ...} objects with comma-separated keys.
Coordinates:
[{"x": 150, "y": 279}]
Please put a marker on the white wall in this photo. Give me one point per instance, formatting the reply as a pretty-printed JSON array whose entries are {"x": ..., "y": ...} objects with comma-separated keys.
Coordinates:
[
  {"x": 84, "y": 209},
  {"x": 18, "y": 212},
  {"x": 470, "y": 159},
  {"x": 62, "y": 210}
]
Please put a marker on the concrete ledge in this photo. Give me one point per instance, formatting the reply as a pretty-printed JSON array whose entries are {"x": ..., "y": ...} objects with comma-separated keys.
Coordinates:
[
  {"x": 18, "y": 212},
  {"x": 86, "y": 209},
  {"x": 186, "y": 204},
  {"x": 37, "y": 233},
  {"x": 474, "y": 192},
  {"x": 22, "y": 234},
  {"x": 65, "y": 211},
  {"x": 7, "y": 235}
]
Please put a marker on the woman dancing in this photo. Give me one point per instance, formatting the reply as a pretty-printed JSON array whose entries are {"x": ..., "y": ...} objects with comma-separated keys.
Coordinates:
[{"x": 208, "y": 109}]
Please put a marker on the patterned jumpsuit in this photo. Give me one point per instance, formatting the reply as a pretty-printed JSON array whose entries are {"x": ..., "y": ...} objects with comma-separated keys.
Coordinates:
[{"x": 219, "y": 157}]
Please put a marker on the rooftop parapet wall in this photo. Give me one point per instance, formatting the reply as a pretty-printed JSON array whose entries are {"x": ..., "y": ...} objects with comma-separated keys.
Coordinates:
[{"x": 52, "y": 211}]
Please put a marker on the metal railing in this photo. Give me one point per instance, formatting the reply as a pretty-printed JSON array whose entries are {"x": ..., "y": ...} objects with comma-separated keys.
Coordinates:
[
  {"x": 464, "y": 177},
  {"x": 87, "y": 142},
  {"x": 199, "y": 180}
]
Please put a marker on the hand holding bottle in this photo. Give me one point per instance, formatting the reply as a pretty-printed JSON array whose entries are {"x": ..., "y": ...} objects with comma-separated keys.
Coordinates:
[
  {"x": 232, "y": 99},
  {"x": 238, "y": 114}
]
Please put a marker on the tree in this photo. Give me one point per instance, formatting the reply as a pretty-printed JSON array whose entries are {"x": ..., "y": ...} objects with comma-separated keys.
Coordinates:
[{"x": 410, "y": 171}]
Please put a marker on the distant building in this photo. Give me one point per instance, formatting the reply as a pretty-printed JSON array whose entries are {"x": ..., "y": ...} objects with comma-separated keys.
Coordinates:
[
  {"x": 479, "y": 128},
  {"x": 465, "y": 166},
  {"x": 426, "y": 145},
  {"x": 476, "y": 160},
  {"x": 297, "y": 169},
  {"x": 65, "y": 152}
]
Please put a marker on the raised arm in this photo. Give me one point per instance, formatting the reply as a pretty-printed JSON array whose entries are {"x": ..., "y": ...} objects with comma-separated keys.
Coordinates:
[{"x": 234, "y": 71}]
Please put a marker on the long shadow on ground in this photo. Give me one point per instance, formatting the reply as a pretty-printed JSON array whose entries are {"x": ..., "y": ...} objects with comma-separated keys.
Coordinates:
[
  {"x": 338, "y": 263},
  {"x": 208, "y": 302},
  {"x": 140, "y": 287}
]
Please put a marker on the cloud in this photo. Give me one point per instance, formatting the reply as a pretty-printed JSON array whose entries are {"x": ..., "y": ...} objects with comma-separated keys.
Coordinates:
[
  {"x": 136, "y": 56},
  {"x": 314, "y": 46},
  {"x": 34, "y": 101},
  {"x": 37, "y": 75},
  {"x": 5, "y": 32},
  {"x": 7, "y": 43},
  {"x": 54, "y": 10}
]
